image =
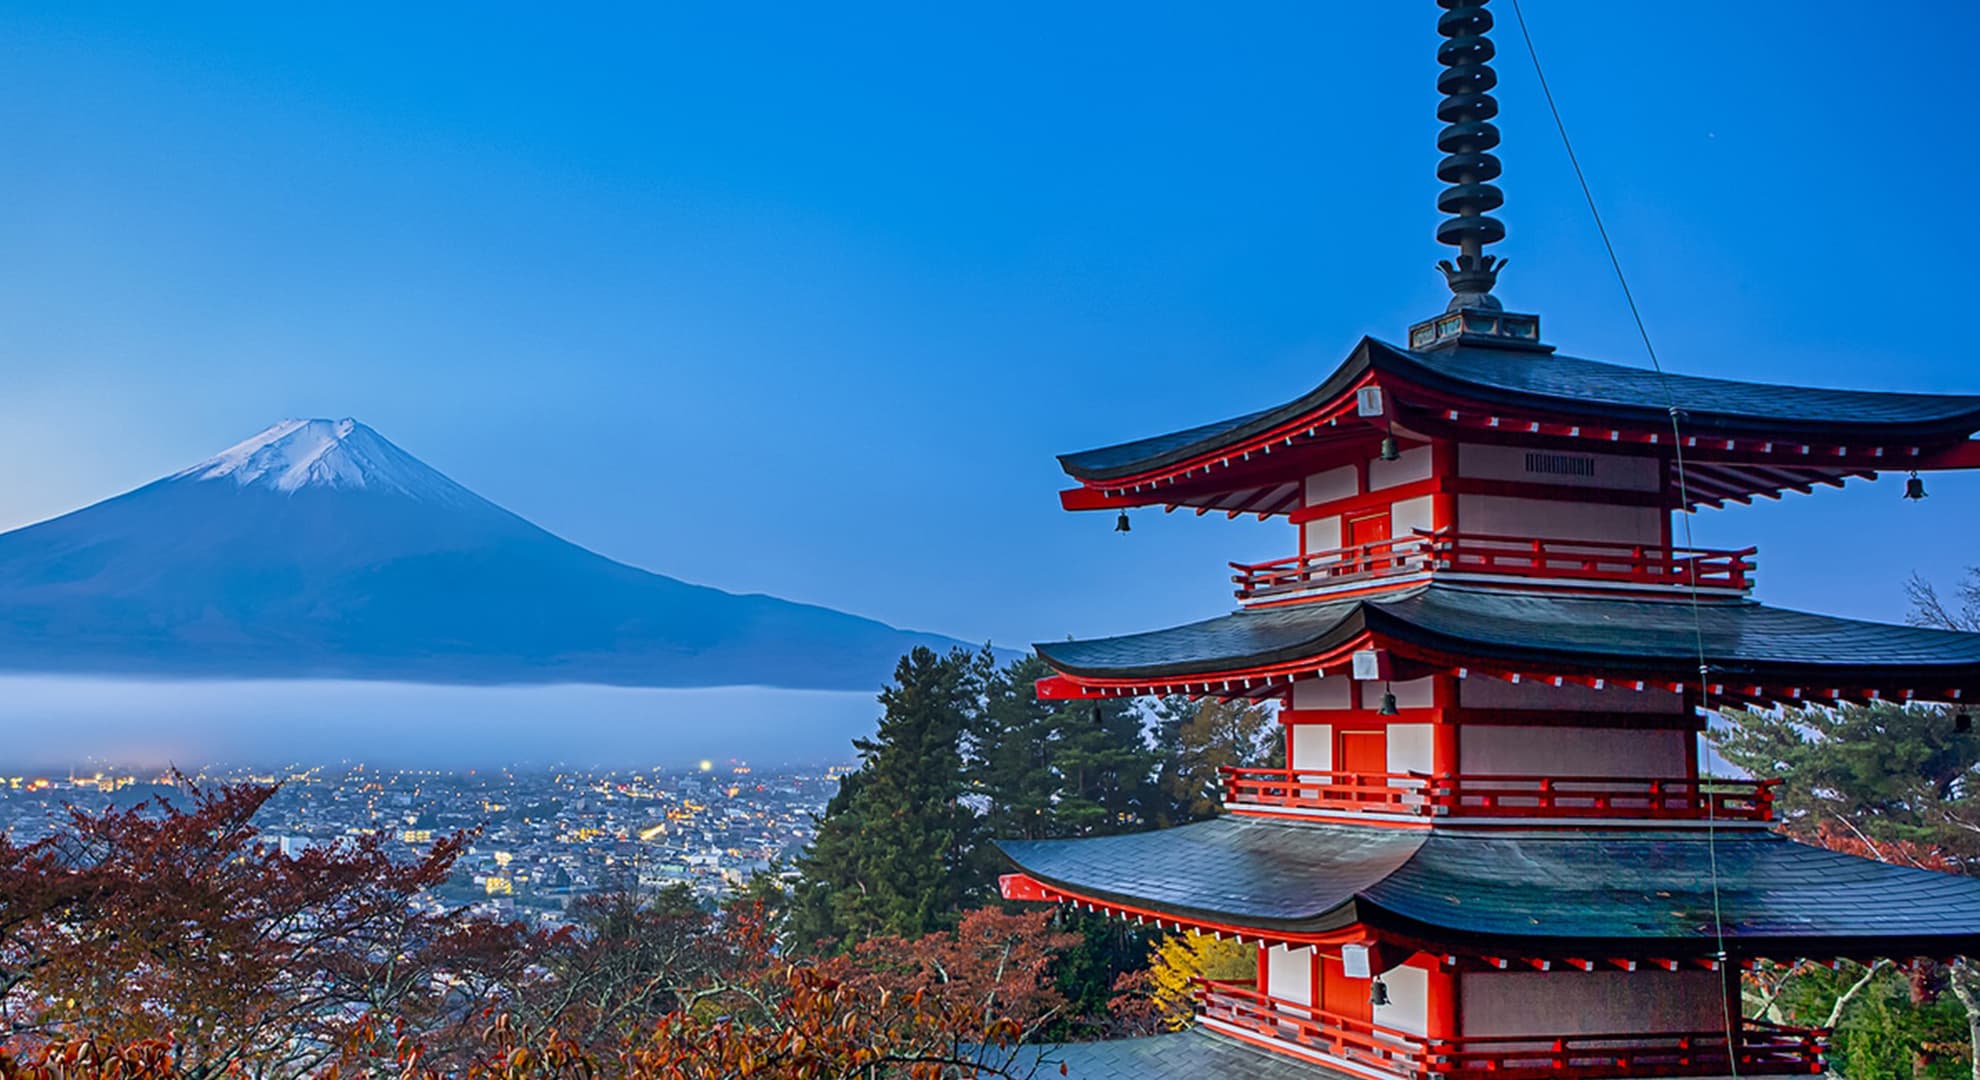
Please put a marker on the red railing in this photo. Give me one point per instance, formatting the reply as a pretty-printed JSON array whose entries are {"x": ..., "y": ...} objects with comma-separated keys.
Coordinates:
[
  {"x": 1503, "y": 796},
  {"x": 1340, "y": 1037},
  {"x": 1594, "y": 796},
  {"x": 1757, "y": 1048},
  {"x": 1589, "y": 560},
  {"x": 1501, "y": 556},
  {"x": 1402, "y": 793},
  {"x": 1370, "y": 562}
]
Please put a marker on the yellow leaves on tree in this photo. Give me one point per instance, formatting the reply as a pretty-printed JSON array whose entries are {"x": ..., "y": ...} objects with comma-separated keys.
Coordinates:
[{"x": 1182, "y": 958}]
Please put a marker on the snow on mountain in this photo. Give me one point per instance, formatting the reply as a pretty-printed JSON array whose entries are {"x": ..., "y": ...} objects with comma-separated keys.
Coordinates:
[{"x": 340, "y": 454}]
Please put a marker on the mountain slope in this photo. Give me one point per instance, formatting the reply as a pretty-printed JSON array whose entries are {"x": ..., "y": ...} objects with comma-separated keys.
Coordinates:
[{"x": 319, "y": 548}]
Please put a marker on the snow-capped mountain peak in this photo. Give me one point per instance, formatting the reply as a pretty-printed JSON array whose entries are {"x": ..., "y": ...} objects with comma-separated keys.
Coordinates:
[
  {"x": 317, "y": 549},
  {"x": 293, "y": 455}
]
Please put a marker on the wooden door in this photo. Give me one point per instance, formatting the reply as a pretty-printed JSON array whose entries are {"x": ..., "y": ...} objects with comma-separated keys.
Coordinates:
[
  {"x": 1368, "y": 529},
  {"x": 1364, "y": 756},
  {"x": 1364, "y": 752},
  {"x": 1344, "y": 997}
]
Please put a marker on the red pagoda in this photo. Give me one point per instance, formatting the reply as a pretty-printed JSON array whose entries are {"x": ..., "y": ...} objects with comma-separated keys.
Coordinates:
[{"x": 1492, "y": 852}]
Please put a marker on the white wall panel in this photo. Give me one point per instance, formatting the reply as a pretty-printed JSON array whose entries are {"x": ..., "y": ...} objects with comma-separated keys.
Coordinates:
[
  {"x": 1569, "y": 751},
  {"x": 1330, "y": 485},
  {"x": 1310, "y": 746},
  {"x": 1589, "y": 1002},
  {"x": 1316, "y": 693},
  {"x": 1410, "y": 466},
  {"x": 1289, "y": 974}
]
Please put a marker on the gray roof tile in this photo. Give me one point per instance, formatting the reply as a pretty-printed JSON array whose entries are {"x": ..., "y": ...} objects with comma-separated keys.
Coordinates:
[
  {"x": 1634, "y": 890},
  {"x": 1741, "y": 638},
  {"x": 1556, "y": 384},
  {"x": 1195, "y": 1054}
]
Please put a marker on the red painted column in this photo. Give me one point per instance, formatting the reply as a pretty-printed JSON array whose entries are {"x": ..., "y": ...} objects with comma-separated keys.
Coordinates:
[
  {"x": 1443, "y": 1019},
  {"x": 1443, "y": 469},
  {"x": 1444, "y": 732}
]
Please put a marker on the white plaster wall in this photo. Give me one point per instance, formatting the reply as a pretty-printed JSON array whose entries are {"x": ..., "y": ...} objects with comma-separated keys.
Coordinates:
[
  {"x": 1311, "y": 746},
  {"x": 1412, "y": 748},
  {"x": 1571, "y": 751},
  {"x": 1289, "y": 974},
  {"x": 1321, "y": 534},
  {"x": 1319, "y": 693},
  {"x": 1625, "y": 472},
  {"x": 1409, "y": 1001},
  {"x": 1486, "y": 692},
  {"x": 1547, "y": 519},
  {"x": 1409, "y": 514},
  {"x": 1410, "y": 693},
  {"x": 1589, "y": 1002},
  {"x": 1330, "y": 485},
  {"x": 1410, "y": 466}
]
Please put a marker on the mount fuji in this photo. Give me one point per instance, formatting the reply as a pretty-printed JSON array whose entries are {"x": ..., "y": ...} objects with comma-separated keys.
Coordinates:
[{"x": 318, "y": 549}]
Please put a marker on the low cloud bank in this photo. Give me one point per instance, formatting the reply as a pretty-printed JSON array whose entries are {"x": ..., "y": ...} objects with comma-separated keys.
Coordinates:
[{"x": 59, "y": 721}]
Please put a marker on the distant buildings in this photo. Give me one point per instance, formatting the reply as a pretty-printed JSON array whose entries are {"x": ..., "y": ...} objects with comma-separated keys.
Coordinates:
[{"x": 543, "y": 838}]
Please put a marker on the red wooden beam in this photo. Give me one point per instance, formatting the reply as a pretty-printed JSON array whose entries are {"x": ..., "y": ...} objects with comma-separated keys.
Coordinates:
[
  {"x": 1086, "y": 498},
  {"x": 1022, "y": 887},
  {"x": 1963, "y": 455}
]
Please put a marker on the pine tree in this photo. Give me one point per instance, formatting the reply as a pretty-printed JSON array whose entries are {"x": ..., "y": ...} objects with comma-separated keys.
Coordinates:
[
  {"x": 1896, "y": 783},
  {"x": 1106, "y": 770},
  {"x": 1054, "y": 769},
  {"x": 1044, "y": 770},
  {"x": 1011, "y": 755},
  {"x": 1887, "y": 773},
  {"x": 1197, "y": 738},
  {"x": 896, "y": 850}
]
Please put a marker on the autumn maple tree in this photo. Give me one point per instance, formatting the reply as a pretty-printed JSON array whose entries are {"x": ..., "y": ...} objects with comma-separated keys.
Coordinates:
[
  {"x": 182, "y": 923},
  {"x": 172, "y": 941}
]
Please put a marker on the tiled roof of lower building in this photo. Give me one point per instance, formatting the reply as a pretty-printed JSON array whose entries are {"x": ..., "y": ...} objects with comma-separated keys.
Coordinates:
[
  {"x": 1195, "y": 1054},
  {"x": 1611, "y": 892},
  {"x": 1597, "y": 633}
]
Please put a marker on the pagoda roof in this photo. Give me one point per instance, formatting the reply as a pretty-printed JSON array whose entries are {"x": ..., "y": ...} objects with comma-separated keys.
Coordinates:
[
  {"x": 1195, "y": 1054},
  {"x": 1567, "y": 386},
  {"x": 1482, "y": 628},
  {"x": 1587, "y": 892}
]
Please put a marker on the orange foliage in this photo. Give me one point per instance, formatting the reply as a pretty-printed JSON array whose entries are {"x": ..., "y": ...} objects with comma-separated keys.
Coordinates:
[
  {"x": 805, "y": 1026},
  {"x": 159, "y": 922},
  {"x": 1838, "y": 837},
  {"x": 994, "y": 962},
  {"x": 161, "y": 943}
]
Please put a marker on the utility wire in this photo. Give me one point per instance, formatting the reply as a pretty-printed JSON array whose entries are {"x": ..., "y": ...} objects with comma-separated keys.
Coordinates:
[{"x": 1733, "y": 1015}]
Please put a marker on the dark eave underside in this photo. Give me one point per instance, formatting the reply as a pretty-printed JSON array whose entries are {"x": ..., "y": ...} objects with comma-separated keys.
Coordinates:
[
  {"x": 1581, "y": 633},
  {"x": 1648, "y": 892},
  {"x": 1584, "y": 389}
]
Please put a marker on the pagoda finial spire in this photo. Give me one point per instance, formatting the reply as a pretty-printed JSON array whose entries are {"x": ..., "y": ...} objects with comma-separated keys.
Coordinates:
[{"x": 1467, "y": 141}]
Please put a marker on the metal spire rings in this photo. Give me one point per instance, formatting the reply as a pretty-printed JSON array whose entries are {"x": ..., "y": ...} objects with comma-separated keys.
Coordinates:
[{"x": 1467, "y": 140}]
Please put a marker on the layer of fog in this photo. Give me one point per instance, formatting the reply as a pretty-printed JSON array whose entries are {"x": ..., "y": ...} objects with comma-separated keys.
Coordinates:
[{"x": 59, "y": 721}]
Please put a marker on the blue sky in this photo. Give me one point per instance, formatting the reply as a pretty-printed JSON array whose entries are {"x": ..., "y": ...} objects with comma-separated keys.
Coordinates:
[{"x": 803, "y": 300}]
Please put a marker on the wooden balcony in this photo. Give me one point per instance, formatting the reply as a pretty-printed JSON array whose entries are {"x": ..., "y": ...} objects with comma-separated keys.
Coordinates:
[
  {"x": 1758, "y": 1048},
  {"x": 1525, "y": 797},
  {"x": 1469, "y": 556}
]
